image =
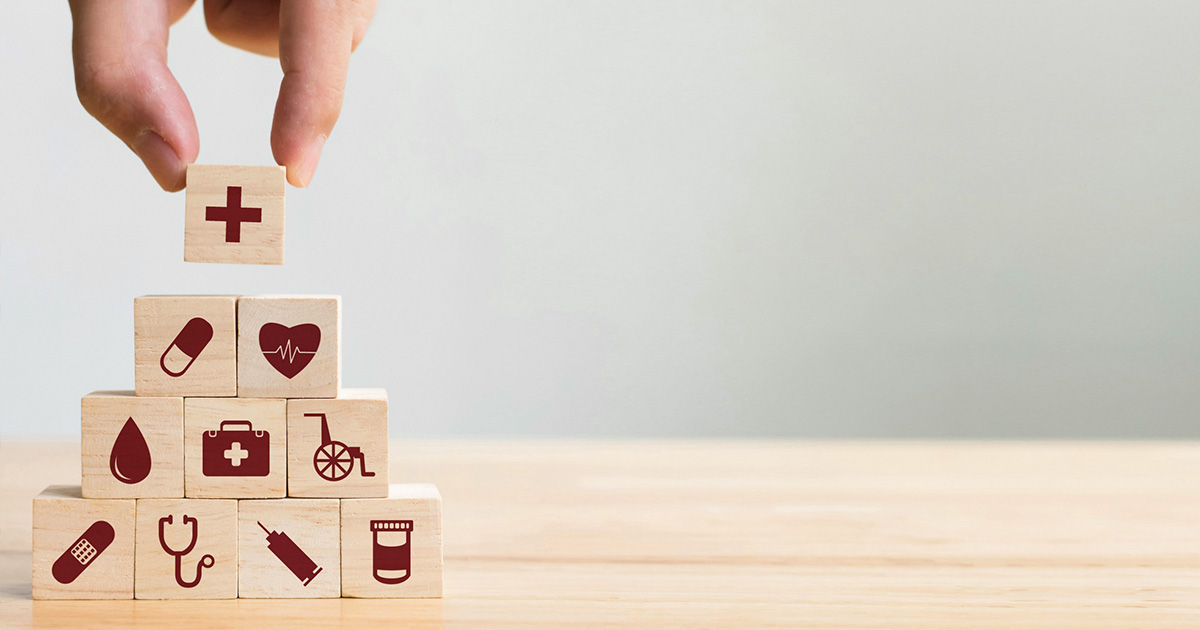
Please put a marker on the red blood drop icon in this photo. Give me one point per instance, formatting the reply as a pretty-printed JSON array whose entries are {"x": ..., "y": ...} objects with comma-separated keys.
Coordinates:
[{"x": 130, "y": 458}]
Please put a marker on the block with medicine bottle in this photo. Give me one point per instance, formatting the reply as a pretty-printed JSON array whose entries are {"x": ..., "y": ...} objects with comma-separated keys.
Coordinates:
[{"x": 392, "y": 547}]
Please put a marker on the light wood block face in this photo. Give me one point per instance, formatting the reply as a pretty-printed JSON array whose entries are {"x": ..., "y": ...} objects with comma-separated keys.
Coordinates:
[
  {"x": 393, "y": 547},
  {"x": 289, "y": 346},
  {"x": 298, "y": 554},
  {"x": 185, "y": 345},
  {"x": 209, "y": 568},
  {"x": 82, "y": 548},
  {"x": 132, "y": 445},
  {"x": 235, "y": 447},
  {"x": 338, "y": 447},
  {"x": 234, "y": 214}
]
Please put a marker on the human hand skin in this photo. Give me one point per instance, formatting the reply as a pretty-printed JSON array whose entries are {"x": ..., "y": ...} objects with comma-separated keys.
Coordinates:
[{"x": 121, "y": 74}]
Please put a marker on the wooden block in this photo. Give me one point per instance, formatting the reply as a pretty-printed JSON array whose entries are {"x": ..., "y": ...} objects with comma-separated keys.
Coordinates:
[
  {"x": 185, "y": 345},
  {"x": 289, "y": 548},
  {"x": 338, "y": 447},
  {"x": 167, "y": 565},
  {"x": 82, "y": 548},
  {"x": 132, "y": 445},
  {"x": 289, "y": 346},
  {"x": 235, "y": 447},
  {"x": 234, "y": 214},
  {"x": 393, "y": 547}
]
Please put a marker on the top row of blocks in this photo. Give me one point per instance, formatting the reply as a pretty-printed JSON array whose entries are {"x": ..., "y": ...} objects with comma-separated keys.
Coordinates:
[{"x": 263, "y": 346}]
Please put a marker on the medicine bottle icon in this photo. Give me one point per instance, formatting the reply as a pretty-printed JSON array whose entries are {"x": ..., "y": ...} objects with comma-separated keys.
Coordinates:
[{"x": 392, "y": 551}]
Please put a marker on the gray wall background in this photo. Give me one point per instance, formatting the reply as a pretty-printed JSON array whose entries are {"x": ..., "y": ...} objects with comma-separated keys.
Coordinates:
[{"x": 668, "y": 218}]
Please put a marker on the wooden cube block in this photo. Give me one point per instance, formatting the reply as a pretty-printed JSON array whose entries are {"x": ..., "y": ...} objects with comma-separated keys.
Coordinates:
[
  {"x": 185, "y": 345},
  {"x": 234, "y": 214},
  {"x": 82, "y": 548},
  {"x": 235, "y": 447},
  {"x": 338, "y": 447},
  {"x": 186, "y": 549},
  {"x": 289, "y": 346},
  {"x": 393, "y": 547},
  {"x": 289, "y": 548},
  {"x": 132, "y": 445}
]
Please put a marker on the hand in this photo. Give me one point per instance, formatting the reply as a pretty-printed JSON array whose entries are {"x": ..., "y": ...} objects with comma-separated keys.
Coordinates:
[{"x": 121, "y": 75}]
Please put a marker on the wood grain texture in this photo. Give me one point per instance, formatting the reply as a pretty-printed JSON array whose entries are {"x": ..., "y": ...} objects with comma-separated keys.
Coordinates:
[
  {"x": 61, "y": 516},
  {"x": 259, "y": 243},
  {"x": 216, "y": 535},
  {"x": 312, "y": 524},
  {"x": 321, "y": 377},
  {"x": 419, "y": 506},
  {"x": 157, "y": 322},
  {"x": 723, "y": 534},
  {"x": 159, "y": 420},
  {"x": 203, "y": 417},
  {"x": 357, "y": 418}
]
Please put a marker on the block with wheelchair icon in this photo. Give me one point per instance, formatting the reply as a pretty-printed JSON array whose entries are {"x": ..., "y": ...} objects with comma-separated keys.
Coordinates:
[
  {"x": 186, "y": 549},
  {"x": 337, "y": 447},
  {"x": 82, "y": 548},
  {"x": 235, "y": 447}
]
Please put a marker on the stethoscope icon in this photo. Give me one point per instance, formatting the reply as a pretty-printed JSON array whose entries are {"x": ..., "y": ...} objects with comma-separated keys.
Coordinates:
[{"x": 206, "y": 562}]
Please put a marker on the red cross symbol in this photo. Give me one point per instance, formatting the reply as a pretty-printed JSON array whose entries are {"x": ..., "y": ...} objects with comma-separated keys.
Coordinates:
[{"x": 233, "y": 214}]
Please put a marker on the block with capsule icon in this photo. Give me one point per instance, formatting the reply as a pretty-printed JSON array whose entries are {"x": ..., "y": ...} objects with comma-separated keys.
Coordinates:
[
  {"x": 289, "y": 346},
  {"x": 289, "y": 548},
  {"x": 185, "y": 345},
  {"x": 234, "y": 214},
  {"x": 82, "y": 548},
  {"x": 235, "y": 447},
  {"x": 186, "y": 549},
  {"x": 392, "y": 547},
  {"x": 132, "y": 446},
  {"x": 338, "y": 447}
]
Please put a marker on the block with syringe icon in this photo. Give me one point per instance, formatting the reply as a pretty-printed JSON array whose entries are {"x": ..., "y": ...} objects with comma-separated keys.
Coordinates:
[{"x": 252, "y": 491}]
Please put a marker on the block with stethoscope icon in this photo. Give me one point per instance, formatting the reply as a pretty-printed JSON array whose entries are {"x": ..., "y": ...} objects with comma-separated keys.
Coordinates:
[
  {"x": 392, "y": 547},
  {"x": 186, "y": 549}
]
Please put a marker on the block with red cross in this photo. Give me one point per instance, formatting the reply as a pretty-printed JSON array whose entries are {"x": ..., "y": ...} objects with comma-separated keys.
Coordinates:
[{"x": 234, "y": 214}]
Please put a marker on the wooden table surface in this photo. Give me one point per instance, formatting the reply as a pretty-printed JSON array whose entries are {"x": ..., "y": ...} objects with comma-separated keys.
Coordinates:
[{"x": 739, "y": 535}]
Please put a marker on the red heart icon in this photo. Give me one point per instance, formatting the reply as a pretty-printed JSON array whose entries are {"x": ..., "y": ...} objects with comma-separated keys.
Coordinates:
[{"x": 289, "y": 350}]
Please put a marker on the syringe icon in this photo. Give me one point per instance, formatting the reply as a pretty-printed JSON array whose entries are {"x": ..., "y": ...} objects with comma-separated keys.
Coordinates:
[{"x": 291, "y": 555}]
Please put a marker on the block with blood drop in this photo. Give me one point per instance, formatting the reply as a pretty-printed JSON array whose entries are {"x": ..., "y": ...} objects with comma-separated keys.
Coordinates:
[{"x": 186, "y": 346}]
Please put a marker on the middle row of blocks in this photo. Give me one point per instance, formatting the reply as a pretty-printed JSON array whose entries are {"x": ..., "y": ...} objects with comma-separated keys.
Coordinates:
[{"x": 167, "y": 447}]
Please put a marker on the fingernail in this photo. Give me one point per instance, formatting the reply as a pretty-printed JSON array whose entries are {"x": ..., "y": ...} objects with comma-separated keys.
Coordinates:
[
  {"x": 308, "y": 164},
  {"x": 160, "y": 159}
]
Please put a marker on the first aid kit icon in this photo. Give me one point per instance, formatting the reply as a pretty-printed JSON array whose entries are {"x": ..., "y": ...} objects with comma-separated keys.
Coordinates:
[{"x": 236, "y": 452}]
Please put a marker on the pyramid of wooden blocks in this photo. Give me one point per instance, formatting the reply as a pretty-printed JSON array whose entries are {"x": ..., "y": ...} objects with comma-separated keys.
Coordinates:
[{"x": 238, "y": 466}]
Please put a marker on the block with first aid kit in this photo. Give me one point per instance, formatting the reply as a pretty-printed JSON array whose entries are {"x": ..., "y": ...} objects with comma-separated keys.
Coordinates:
[{"x": 193, "y": 488}]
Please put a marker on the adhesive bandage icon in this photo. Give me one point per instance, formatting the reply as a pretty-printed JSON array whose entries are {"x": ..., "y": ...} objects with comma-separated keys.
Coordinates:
[{"x": 391, "y": 550}]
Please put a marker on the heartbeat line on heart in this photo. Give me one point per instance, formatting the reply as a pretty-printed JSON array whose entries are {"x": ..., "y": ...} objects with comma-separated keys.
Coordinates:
[{"x": 288, "y": 353}]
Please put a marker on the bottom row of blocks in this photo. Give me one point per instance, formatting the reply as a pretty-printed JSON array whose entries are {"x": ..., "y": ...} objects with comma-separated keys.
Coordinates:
[{"x": 226, "y": 548}]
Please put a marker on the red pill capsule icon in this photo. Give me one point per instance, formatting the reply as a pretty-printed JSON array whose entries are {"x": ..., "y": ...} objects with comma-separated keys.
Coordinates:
[{"x": 188, "y": 345}]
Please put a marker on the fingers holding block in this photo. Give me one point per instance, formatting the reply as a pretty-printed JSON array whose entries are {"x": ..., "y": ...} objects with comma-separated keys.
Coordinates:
[
  {"x": 234, "y": 214},
  {"x": 82, "y": 548},
  {"x": 393, "y": 547}
]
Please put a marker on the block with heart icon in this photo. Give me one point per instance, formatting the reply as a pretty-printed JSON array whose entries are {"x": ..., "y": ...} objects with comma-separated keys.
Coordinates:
[
  {"x": 338, "y": 447},
  {"x": 289, "y": 346}
]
